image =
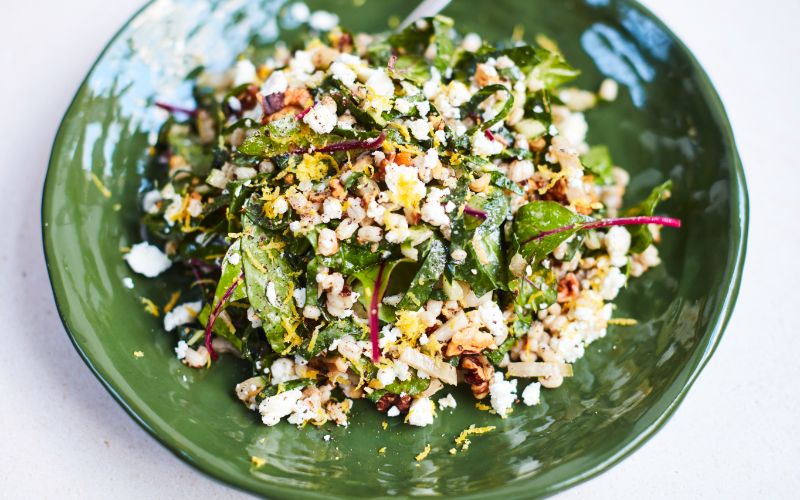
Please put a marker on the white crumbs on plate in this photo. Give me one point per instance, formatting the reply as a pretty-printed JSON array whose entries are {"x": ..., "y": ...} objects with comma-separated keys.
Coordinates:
[
  {"x": 182, "y": 314},
  {"x": 447, "y": 402},
  {"x": 147, "y": 260},
  {"x": 421, "y": 412}
]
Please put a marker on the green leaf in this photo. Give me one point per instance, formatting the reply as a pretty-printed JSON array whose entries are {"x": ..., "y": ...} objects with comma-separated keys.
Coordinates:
[
  {"x": 413, "y": 68},
  {"x": 289, "y": 385},
  {"x": 351, "y": 258},
  {"x": 412, "y": 387},
  {"x": 598, "y": 161},
  {"x": 641, "y": 237},
  {"x": 498, "y": 179},
  {"x": 552, "y": 70},
  {"x": 365, "y": 280},
  {"x": 540, "y": 216},
  {"x": 478, "y": 97},
  {"x": 428, "y": 274},
  {"x": 485, "y": 267},
  {"x": 336, "y": 329},
  {"x": 264, "y": 266},
  {"x": 231, "y": 273},
  {"x": 443, "y": 39}
]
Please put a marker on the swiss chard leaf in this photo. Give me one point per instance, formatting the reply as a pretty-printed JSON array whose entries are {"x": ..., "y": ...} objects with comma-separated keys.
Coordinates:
[
  {"x": 269, "y": 282},
  {"x": 537, "y": 217},
  {"x": 641, "y": 237},
  {"x": 365, "y": 281},
  {"x": 598, "y": 161},
  {"x": 428, "y": 274},
  {"x": 484, "y": 268},
  {"x": 272, "y": 390}
]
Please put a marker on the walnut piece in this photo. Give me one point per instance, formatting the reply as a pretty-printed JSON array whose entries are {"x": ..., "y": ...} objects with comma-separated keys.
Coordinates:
[{"x": 477, "y": 373}]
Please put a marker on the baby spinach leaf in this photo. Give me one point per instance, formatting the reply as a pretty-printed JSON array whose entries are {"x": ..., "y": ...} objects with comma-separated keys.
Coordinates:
[
  {"x": 500, "y": 180},
  {"x": 445, "y": 49},
  {"x": 413, "y": 68},
  {"x": 336, "y": 329},
  {"x": 478, "y": 97},
  {"x": 552, "y": 70},
  {"x": 641, "y": 237},
  {"x": 269, "y": 280},
  {"x": 352, "y": 258},
  {"x": 412, "y": 387},
  {"x": 539, "y": 217},
  {"x": 598, "y": 161},
  {"x": 428, "y": 274}
]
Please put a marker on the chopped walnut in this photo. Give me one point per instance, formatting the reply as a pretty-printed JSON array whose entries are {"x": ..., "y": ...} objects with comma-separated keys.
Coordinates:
[
  {"x": 568, "y": 288},
  {"x": 402, "y": 402},
  {"x": 337, "y": 189},
  {"x": 469, "y": 341},
  {"x": 477, "y": 373}
]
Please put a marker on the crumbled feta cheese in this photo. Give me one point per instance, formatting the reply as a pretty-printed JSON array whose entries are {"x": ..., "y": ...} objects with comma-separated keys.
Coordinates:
[
  {"x": 386, "y": 375},
  {"x": 127, "y": 282},
  {"x": 182, "y": 314},
  {"x": 150, "y": 201},
  {"x": 457, "y": 93},
  {"x": 403, "y": 105},
  {"x": 502, "y": 394},
  {"x": 492, "y": 317},
  {"x": 322, "y": 117},
  {"x": 326, "y": 437},
  {"x": 573, "y": 128},
  {"x": 421, "y": 412},
  {"x": 253, "y": 318},
  {"x": 343, "y": 73},
  {"x": 483, "y": 146},
  {"x": 275, "y": 84},
  {"x": 380, "y": 83},
  {"x": 393, "y": 412},
  {"x": 323, "y": 21},
  {"x": 447, "y": 402},
  {"x": 404, "y": 184},
  {"x": 618, "y": 243},
  {"x": 282, "y": 371},
  {"x": 243, "y": 72},
  {"x": 389, "y": 335},
  {"x": 431, "y": 87},
  {"x": 147, "y": 260},
  {"x": 424, "y": 107},
  {"x": 299, "y": 295},
  {"x": 441, "y": 136},
  {"x": 530, "y": 396},
  {"x": 433, "y": 212},
  {"x": 180, "y": 349},
  {"x": 612, "y": 283},
  {"x": 420, "y": 129},
  {"x": 242, "y": 173},
  {"x": 402, "y": 371},
  {"x": 274, "y": 408},
  {"x": 301, "y": 63}
]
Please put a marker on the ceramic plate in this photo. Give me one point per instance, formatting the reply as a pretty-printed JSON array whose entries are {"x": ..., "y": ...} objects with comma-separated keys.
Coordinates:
[{"x": 667, "y": 124}]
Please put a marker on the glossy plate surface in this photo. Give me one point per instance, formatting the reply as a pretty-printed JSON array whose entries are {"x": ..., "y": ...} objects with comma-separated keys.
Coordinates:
[{"x": 667, "y": 123}]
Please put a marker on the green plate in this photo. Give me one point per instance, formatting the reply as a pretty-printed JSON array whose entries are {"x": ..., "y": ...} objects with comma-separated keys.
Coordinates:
[{"x": 667, "y": 123}]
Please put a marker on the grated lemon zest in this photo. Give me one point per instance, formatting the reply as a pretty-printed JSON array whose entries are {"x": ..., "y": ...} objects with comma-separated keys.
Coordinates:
[{"x": 424, "y": 453}]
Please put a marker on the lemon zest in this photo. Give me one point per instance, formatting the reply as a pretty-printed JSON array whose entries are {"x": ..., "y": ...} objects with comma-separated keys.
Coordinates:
[
  {"x": 424, "y": 453},
  {"x": 100, "y": 186},
  {"x": 173, "y": 299},
  {"x": 150, "y": 306},
  {"x": 622, "y": 321}
]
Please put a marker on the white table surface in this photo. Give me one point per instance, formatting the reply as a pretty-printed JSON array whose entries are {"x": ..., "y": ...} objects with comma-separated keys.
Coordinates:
[{"x": 734, "y": 436}]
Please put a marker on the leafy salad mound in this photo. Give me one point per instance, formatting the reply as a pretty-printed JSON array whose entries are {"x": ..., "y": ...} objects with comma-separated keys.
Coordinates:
[{"x": 388, "y": 216}]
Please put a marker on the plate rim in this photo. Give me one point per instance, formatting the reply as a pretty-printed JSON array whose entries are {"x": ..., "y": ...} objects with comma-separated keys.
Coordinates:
[{"x": 740, "y": 207}]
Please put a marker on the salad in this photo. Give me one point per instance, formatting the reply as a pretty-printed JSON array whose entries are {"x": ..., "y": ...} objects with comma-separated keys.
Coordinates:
[{"x": 389, "y": 217}]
